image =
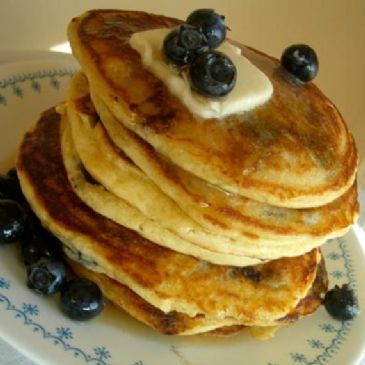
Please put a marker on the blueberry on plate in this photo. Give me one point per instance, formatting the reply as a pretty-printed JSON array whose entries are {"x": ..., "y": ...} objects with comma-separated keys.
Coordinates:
[
  {"x": 12, "y": 221},
  {"x": 32, "y": 225},
  {"x": 301, "y": 61},
  {"x": 33, "y": 222},
  {"x": 212, "y": 74},
  {"x": 40, "y": 244},
  {"x": 10, "y": 188},
  {"x": 341, "y": 303},
  {"x": 174, "y": 50},
  {"x": 81, "y": 299},
  {"x": 13, "y": 174},
  {"x": 210, "y": 23},
  {"x": 46, "y": 276}
]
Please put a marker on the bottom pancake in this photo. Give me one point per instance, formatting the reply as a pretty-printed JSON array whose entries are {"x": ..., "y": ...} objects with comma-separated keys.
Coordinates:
[
  {"x": 171, "y": 323},
  {"x": 178, "y": 323},
  {"x": 263, "y": 295}
]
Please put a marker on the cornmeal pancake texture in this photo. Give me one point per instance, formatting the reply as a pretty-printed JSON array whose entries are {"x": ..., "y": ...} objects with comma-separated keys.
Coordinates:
[
  {"x": 120, "y": 211},
  {"x": 262, "y": 295},
  {"x": 293, "y": 151},
  {"x": 178, "y": 323},
  {"x": 169, "y": 323},
  {"x": 208, "y": 218}
]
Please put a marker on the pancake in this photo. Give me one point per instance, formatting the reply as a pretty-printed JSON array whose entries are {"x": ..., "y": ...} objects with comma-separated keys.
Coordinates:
[
  {"x": 218, "y": 222},
  {"x": 171, "y": 323},
  {"x": 177, "y": 323},
  {"x": 262, "y": 295},
  {"x": 293, "y": 151},
  {"x": 120, "y": 211}
]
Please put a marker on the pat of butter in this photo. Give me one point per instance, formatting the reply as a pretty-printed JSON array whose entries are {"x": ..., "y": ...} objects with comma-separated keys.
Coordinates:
[{"x": 252, "y": 88}]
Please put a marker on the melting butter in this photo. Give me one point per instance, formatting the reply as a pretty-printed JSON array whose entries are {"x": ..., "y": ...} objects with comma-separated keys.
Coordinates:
[{"x": 252, "y": 88}]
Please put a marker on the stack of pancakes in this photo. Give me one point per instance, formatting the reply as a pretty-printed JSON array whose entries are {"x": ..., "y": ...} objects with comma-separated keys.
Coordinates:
[{"x": 190, "y": 225}]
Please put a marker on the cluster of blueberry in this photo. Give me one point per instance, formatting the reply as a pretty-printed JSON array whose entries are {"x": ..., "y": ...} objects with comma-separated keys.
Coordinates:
[
  {"x": 42, "y": 254},
  {"x": 213, "y": 74},
  {"x": 192, "y": 45}
]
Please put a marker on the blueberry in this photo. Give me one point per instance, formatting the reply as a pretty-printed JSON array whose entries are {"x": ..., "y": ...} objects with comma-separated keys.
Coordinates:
[
  {"x": 212, "y": 74},
  {"x": 81, "y": 299},
  {"x": 210, "y": 23},
  {"x": 174, "y": 51},
  {"x": 10, "y": 188},
  {"x": 341, "y": 303},
  {"x": 13, "y": 174},
  {"x": 46, "y": 276},
  {"x": 301, "y": 61},
  {"x": 12, "y": 221},
  {"x": 192, "y": 39},
  {"x": 40, "y": 244},
  {"x": 33, "y": 223}
]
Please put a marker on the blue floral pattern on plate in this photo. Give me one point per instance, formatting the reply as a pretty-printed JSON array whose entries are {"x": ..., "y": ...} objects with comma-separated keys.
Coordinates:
[
  {"x": 59, "y": 337},
  {"x": 16, "y": 82}
]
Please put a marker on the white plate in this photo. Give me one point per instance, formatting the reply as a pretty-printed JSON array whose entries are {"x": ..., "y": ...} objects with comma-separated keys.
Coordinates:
[
  {"x": 35, "y": 326},
  {"x": 33, "y": 55}
]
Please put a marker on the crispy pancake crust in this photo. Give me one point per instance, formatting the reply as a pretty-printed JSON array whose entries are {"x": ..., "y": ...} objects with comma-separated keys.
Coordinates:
[
  {"x": 164, "y": 278},
  {"x": 293, "y": 151},
  {"x": 122, "y": 211},
  {"x": 197, "y": 212},
  {"x": 174, "y": 323}
]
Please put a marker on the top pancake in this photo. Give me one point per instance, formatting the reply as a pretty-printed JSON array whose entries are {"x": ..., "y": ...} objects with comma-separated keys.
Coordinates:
[{"x": 294, "y": 151}]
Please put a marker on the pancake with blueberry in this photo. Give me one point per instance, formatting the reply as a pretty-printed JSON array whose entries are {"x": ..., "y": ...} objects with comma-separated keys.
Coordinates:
[
  {"x": 139, "y": 190},
  {"x": 174, "y": 323},
  {"x": 231, "y": 229},
  {"x": 262, "y": 295},
  {"x": 293, "y": 150}
]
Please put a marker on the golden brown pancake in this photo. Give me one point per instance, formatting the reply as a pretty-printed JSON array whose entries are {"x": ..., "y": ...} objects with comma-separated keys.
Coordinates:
[
  {"x": 259, "y": 295},
  {"x": 102, "y": 201},
  {"x": 199, "y": 213},
  {"x": 177, "y": 323},
  {"x": 172, "y": 323},
  {"x": 293, "y": 151}
]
